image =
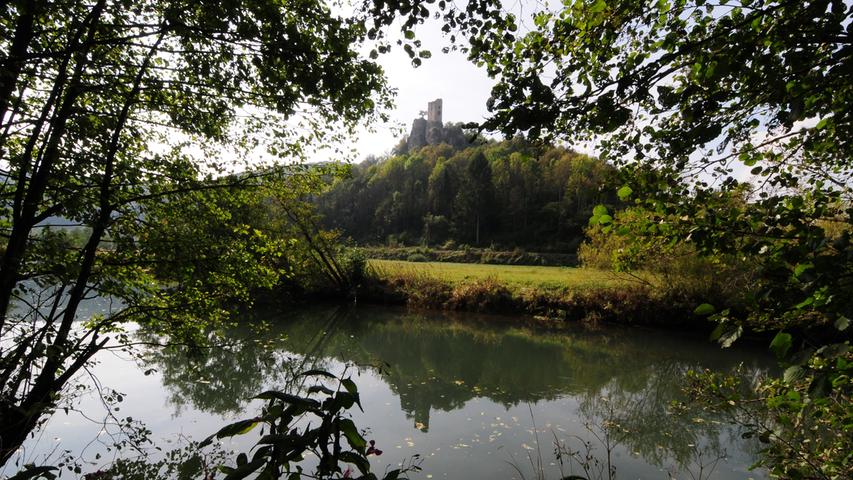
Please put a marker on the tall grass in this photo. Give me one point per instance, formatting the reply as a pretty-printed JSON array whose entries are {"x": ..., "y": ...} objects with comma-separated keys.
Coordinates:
[{"x": 547, "y": 293}]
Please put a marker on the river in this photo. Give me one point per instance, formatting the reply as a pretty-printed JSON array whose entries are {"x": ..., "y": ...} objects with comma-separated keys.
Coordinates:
[{"x": 476, "y": 397}]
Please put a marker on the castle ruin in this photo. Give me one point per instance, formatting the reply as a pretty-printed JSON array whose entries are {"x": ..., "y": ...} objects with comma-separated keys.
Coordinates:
[
  {"x": 434, "y": 112},
  {"x": 431, "y": 130}
]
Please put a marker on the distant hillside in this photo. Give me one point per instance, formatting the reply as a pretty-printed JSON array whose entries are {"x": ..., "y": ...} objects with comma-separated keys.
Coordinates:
[{"x": 507, "y": 194}]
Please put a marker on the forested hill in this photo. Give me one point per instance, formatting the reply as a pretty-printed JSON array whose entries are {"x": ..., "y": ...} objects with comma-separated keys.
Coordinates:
[{"x": 506, "y": 194}]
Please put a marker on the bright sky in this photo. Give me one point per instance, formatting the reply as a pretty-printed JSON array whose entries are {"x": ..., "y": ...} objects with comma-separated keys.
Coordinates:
[{"x": 462, "y": 86}]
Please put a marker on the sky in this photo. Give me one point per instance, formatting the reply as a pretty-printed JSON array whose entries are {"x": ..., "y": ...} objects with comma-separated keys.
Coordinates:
[{"x": 463, "y": 87}]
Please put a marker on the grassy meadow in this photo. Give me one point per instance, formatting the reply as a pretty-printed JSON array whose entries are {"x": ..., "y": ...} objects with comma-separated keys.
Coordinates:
[{"x": 514, "y": 277}]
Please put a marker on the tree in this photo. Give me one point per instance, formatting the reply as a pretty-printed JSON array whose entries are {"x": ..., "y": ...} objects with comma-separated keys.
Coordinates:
[
  {"x": 114, "y": 117},
  {"x": 691, "y": 96},
  {"x": 474, "y": 198},
  {"x": 692, "y": 99}
]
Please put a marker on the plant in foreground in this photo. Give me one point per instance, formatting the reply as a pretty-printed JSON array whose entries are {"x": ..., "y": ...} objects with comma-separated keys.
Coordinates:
[{"x": 292, "y": 428}]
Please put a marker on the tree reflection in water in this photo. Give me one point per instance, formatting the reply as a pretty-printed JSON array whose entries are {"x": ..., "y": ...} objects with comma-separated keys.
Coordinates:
[{"x": 622, "y": 377}]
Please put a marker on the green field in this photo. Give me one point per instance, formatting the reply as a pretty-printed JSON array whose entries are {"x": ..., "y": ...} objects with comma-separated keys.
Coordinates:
[{"x": 513, "y": 276}]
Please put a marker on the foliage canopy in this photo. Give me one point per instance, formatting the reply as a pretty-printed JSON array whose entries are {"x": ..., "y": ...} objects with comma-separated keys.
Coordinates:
[{"x": 120, "y": 117}]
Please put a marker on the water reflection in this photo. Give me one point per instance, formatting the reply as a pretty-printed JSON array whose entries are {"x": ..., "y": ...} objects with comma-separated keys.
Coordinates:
[{"x": 622, "y": 378}]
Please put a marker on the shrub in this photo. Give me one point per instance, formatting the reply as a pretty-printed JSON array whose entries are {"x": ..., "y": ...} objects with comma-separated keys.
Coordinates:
[
  {"x": 675, "y": 268},
  {"x": 482, "y": 296},
  {"x": 354, "y": 263},
  {"x": 417, "y": 257}
]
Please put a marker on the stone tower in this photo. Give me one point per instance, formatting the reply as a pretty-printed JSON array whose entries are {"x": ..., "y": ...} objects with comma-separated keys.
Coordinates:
[
  {"x": 434, "y": 112},
  {"x": 431, "y": 131}
]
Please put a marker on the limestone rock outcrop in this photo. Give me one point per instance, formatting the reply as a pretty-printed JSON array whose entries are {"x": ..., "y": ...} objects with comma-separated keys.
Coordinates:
[
  {"x": 432, "y": 131},
  {"x": 417, "y": 137}
]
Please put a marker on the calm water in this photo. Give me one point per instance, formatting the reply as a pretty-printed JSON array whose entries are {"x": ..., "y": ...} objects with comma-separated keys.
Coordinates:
[{"x": 476, "y": 397}]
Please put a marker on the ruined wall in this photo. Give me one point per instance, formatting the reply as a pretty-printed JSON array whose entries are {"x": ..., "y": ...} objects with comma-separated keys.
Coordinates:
[
  {"x": 434, "y": 111},
  {"x": 431, "y": 130},
  {"x": 417, "y": 137}
]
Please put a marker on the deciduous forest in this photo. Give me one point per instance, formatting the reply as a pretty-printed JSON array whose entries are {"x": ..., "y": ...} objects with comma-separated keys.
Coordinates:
[{"x": 508, "y": 193}]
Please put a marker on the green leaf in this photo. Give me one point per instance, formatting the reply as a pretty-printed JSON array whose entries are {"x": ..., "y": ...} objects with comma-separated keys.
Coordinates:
[
  {"x": 30, "y": 472},
  {"x": 320, "y": 389},
  {"x": 704, "y": 310},
  {"x": 237, "y": 428},
  {"x": 349, "y": 385},
  {"x": 793, "y": 373},
  {"x": 605, "y": 220},
  {"x": 598, "y": 7},
  {"x": 354, "y": 438},
  {"x": 359, "y": 461},
  {"x": 392, "y": 475},
  {"x": 729, "y": 338},
  {"x": 802, "y": 267},
  {"x": 781, "y": 344},
  {"x": 599, "y": 210},
  {"x": 805, "y": 303},
  {"x": 718, "y": 332},
  {"x": 624, "y": 193},
  {"x": 842, "y": 323},
  {"x": 288, "y": 398},
  {"x": 245, "y": 469}
]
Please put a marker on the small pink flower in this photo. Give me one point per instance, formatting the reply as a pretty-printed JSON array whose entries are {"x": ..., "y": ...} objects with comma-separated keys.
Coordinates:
[
  {"x": 348, "y": 472},
  {"x": 372, "y": 449}
]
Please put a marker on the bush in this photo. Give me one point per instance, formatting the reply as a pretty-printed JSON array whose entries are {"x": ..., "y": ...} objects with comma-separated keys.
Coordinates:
[
  {"x": 482, "y": 296},
  {"x": 354, "y": 263},
  {"x": 675, "y": 268},
  {"x": 417, "y": 257}
]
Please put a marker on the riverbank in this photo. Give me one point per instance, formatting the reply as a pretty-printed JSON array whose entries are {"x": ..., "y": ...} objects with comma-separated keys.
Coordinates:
[
  {"x": 467, "y": 254},
  {"x": 552, "y": 295}
]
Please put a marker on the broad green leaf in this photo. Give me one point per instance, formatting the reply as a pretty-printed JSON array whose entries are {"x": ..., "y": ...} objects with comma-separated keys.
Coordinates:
[
  {"x": 349, "y": 385},
  {"x": 624, "y": 193},
  {"x": 718, "y": 331},
  {"x": 598, "y": 7},
  {"x": 802, "y": 267},
  {"x": 352, "y": 435},
  {"x": 237, "y": 428},
  {"x": 781, "y": 344},
  {"x": 805, "y": 303},
  {"x": 729, "y": 337},
  {"x": 793, "y": 373},
  {"x": 704, "y": 310}
]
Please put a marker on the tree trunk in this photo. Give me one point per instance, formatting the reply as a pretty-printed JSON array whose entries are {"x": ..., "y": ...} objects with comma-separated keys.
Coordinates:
[{"x": 477, "y": 232}]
